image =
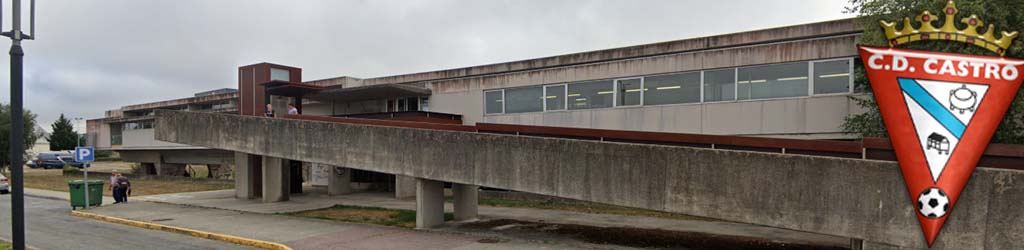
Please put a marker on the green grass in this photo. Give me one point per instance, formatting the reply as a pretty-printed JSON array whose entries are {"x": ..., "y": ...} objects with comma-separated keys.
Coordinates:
[
  {"x": 368, "y": 215},
  {"x": 54, "y": 180},
  {"x": 5, "y": 246}
]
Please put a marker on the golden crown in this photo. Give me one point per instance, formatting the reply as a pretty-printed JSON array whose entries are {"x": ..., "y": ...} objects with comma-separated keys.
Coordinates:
[{"x": 948, "y": 31}]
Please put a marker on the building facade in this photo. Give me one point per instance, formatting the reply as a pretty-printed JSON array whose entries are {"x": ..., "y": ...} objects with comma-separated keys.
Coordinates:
[{"x": 787, "y": 82}]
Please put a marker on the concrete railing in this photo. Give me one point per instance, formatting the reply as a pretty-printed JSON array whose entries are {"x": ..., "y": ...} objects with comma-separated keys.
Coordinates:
[{"x": 854, "y": 198}]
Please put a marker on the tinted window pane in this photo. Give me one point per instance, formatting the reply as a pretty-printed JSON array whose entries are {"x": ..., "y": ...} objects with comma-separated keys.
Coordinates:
[
  {"x": 555, "y": 97},
  {"x": 279, "y": 75},
  {"x": 629, "y": 92},
  {"x": 493, "y": 102},
  {"x": 524, "y": 100},
  {"x": 669, "y": 89},
  {"x": 588, "y": 95},
  {"x": 773, "y": 81},
  {"x": 720, "y": 85},
  {"x": 832, "y": 77}
]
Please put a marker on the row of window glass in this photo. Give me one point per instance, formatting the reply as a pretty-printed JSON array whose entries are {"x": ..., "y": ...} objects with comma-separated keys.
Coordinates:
[
  {"x": 746, "y": 83},
  {"x": 137, "y": 125}
]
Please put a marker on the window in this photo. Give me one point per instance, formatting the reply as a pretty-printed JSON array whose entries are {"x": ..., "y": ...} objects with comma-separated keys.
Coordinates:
[
  {"x": 279, "y": 75},
  {"x": 720, "y": 85},
  {"x": 671, "y": 89},
  {"x": 554, "y": 97},
  {"x": 832, "y": 77},
  {"x": 519, "y": 100},
  {"x": 494, "y": 102},
  {"x": 425, "y": 103},
  {"x": 414, "y": 103},
  {"x": 588, "y": 95},
  {"x": 401, "y": 105},
  {"x": 772, "y": 81},
  {"x": 629, "y": 91},
  {"x": 390, "y": 106}
]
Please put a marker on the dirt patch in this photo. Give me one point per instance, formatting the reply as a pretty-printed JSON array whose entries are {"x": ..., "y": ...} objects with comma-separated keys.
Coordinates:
[
  {"x": 368, "y": 215},
  {"x": 647, "y": 238},
  {"x": 586, "y": 207}
]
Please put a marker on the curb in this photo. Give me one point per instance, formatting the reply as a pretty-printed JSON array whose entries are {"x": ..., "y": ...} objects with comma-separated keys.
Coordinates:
[{"x": 190, "y": 232}]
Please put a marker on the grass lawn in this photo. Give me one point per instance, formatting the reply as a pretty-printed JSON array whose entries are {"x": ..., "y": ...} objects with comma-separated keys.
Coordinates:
[
  {"x": 368, "y": 215},
  {"x": 592, "y": 208},
  {"x": 54, "y": 180},
  {"x": 5, "y": 245}
]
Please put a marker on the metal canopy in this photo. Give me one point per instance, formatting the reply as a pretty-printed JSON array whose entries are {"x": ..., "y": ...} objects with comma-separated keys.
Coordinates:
[
  {"x": 372, "y": 92},
  {"x": 283, "y": 88}
]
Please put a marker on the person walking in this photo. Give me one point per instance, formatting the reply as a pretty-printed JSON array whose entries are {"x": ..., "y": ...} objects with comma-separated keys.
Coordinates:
[
  {"x": 113, "y": 185},
  {"x": 123, "y": 189}
]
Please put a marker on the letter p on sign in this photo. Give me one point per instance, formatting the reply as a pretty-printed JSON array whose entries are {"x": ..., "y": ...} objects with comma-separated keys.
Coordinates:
[{"x": 84, "y": 154}]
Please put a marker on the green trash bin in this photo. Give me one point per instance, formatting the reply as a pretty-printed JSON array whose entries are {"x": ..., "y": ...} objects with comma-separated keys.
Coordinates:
[{"x": 77, "y": 188}]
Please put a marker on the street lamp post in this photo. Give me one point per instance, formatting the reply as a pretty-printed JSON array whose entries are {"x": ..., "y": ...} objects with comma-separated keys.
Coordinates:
[{"x": 17, "y": 120}]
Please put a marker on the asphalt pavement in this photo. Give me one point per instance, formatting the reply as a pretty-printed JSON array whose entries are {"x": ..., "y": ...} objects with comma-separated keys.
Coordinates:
[{"x": 49, "y": 226}]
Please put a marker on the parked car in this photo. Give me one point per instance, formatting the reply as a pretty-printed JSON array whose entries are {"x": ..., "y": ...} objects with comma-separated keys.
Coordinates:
[
  {"x": 55, "y": 160},
  {"x": 4, "y": 187}
]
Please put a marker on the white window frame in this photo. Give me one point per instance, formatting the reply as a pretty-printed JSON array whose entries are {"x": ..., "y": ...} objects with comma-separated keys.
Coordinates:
[
  {"x": 502, "y": 101},
  {"x": 849, "y": 85},
  {"x": 565, "y": 99},
  {"x": 615, "y": 91}
]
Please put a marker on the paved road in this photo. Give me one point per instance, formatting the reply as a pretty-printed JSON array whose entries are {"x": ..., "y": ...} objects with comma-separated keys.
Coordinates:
[{"x": 51, "y": 227}]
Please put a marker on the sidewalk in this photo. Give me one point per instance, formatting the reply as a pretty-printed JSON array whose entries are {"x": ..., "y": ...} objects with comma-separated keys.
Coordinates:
[
  {"x": 224, "y": 199},
  {"x": 303, "y": 233}
]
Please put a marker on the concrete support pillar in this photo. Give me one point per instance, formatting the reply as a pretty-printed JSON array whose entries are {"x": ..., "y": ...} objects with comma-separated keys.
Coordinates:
[
  {"x": 245, "y": 177},
  {"x": 275, "y": 179},
  {"x": 340, "y": 181},
  {"x": 405, "y": 187},
  {"x": 280, "y": 105},
  {"x": 466, "y": 203},
  {"x": 429, "y": 203}
]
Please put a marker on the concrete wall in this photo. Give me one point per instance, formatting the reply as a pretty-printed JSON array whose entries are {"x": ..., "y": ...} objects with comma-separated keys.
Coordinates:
[
  {"x": 143, "y": 138},
  {"x": 844, "y": 197}
]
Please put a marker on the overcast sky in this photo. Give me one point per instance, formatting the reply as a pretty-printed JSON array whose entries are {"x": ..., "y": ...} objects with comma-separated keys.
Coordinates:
[{"x": 97, "y": 55}]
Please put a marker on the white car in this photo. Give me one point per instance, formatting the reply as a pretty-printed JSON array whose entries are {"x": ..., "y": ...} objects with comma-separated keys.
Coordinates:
[{"x": 4, "y": 187}]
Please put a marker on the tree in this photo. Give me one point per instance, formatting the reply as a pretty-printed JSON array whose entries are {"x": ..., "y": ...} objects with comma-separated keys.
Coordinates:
[
  {"x": 30, "y": 135},
  {"x": 1004, "y": 14},
  {"x": 63, "y": 136}
]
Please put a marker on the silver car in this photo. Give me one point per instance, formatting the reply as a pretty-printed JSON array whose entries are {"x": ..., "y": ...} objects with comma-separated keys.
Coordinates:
[{"x": 4, "y": 187}]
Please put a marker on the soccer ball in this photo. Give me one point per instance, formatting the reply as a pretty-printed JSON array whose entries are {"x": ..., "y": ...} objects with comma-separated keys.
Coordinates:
[{"x": 933, "y": 203}]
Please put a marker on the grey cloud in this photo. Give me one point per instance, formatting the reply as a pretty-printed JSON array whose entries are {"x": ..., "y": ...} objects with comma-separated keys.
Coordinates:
[{"x": 95, "y": 55}]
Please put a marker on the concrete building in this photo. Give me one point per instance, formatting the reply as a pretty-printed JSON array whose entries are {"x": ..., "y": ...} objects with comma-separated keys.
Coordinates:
[
  {"x": 789, "y": 82},
  {"x": 129, "y": 131},
  {"x": 415, "y": 133}
]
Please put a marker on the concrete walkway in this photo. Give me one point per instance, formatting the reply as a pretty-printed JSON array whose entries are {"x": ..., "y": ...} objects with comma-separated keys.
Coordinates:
[
  {"x": 224, "y": 199},
  {"x": 304, "y": 233}
]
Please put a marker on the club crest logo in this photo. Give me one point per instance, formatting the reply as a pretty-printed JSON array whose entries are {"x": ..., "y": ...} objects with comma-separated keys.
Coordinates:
[{"x": 940, "y": 109}]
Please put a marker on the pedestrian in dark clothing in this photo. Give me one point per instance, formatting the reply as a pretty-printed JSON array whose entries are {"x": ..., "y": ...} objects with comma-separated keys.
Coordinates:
[{"x": 122, "y": 190}]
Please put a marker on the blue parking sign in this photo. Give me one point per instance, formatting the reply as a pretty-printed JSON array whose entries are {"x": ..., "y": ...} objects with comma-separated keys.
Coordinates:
[{"x": 84, "y": 154}]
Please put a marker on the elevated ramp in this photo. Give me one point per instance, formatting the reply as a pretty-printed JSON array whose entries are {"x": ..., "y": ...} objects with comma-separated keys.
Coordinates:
[{"x": 854, "y": 198}]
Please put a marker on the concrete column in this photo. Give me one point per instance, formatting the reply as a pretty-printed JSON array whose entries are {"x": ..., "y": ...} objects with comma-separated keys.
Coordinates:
[
  {"x": 280, "y": 105},
  {"x": 466, "y": 203},
  {"x": 275, "y": 179},
  {"x": 340, "y": 181},
  {"x": 429, "y": 203},
  {"x": 405, "y": 187},
  {"x": 244, "y": 183}
]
